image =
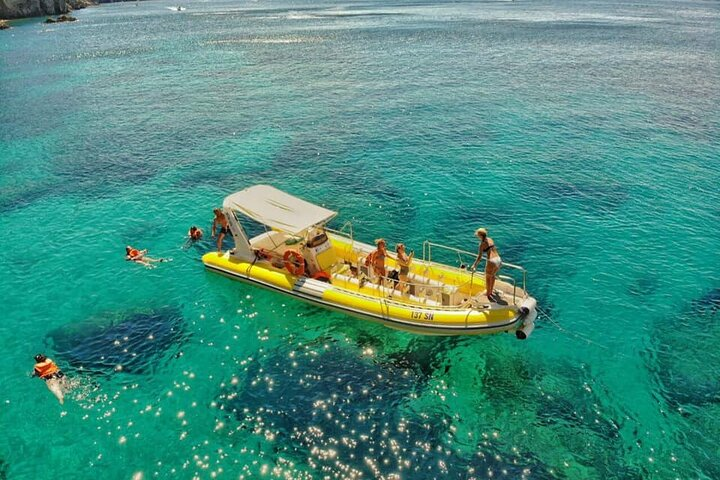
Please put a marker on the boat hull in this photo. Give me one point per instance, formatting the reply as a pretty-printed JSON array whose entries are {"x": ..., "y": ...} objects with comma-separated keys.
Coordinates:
[{"x": 394, "y": 314}]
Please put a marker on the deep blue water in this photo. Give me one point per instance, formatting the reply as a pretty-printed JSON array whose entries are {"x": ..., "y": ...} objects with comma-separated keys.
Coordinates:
[{"x": 583, "y": 135}]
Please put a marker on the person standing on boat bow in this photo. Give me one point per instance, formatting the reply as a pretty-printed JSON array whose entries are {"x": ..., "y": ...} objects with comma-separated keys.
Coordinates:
[
  {"x": 492, "y": 264},
  {"x": 221, "y": 221}
]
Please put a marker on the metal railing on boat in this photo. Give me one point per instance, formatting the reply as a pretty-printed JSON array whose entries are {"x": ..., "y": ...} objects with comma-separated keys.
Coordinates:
[
  {"x": 427, "y": 290},
  {"x": 427, "y": 256}
]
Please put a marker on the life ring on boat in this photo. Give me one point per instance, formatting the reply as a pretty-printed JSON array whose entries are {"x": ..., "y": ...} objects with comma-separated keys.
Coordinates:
[
  {"x": 322, "y": 276},
  {"x": 294, "y": 262}
]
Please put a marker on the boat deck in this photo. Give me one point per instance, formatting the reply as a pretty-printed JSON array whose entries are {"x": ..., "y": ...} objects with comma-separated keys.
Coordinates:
[{"x": 429, "y": 284}]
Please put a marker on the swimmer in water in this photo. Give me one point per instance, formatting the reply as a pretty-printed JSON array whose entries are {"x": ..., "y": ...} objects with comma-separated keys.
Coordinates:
[
  {"x": 140, "y": 256},
  {"x": 53, "y": 376},
  {"x": 195, "y": 233}
]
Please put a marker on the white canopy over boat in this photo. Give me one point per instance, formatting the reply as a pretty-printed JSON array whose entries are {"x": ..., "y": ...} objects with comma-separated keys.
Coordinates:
[{"x": 277, "y": 209}]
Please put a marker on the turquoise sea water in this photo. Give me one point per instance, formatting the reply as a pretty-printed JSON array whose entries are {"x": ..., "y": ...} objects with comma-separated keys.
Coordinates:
[{"x": 584, "y": 135}]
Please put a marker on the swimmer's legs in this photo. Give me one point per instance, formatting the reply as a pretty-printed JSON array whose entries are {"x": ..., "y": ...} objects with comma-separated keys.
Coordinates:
[{"x": 55, "y": 386}]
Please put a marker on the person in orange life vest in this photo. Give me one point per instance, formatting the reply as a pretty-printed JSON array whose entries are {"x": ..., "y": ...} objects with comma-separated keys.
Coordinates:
[
  {"x": 53, "y": 376},
  {"x": 139, "y": 256}
]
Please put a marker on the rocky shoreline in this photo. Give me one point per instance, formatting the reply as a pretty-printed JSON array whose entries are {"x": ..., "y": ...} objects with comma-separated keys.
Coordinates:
[
  {"x": 14, "y": 9},
  {"x": 61, "y": 18}
]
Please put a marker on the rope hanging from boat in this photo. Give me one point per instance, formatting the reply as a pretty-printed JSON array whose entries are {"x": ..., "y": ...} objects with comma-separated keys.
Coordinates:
[{"x": 567, "y": 332}]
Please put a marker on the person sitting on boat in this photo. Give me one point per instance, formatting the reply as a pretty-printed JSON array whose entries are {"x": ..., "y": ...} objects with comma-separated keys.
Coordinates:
[
  {"x": 140, "y": 256},
  {"x": 403, "y": 260},
  {"x": 493, "y": 261},
  {"x": 221, "y": 221},
  {"x": 53, "y": 376},
  {"x": 377, "y": 259},
  {"x": 195, "y": 234}
]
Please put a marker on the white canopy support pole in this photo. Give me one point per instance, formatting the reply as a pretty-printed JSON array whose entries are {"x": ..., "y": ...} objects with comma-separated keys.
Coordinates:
[{"x": 242, "y": 244}]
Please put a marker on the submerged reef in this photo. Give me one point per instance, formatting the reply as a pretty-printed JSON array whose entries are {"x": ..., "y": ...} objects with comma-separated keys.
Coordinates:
[
  {"x": 423, "y": 355},
  {"x": 391, "y": 406},
  {"x": 556, "y": 411},
  {"x": 684, "y": 362},
  {"x": 593, "y": 195},
  {"x": 682, "y": 366},
  {"x": 346, "y": 413},
  {"x": 132, "y": 342}
]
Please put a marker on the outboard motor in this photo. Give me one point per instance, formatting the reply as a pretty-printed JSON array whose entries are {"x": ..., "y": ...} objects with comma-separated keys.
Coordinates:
[{"x": 528, "y": 310}]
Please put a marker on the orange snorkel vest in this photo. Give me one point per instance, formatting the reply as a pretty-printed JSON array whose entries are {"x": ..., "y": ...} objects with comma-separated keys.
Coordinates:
[{"x": 46, "y": 369}]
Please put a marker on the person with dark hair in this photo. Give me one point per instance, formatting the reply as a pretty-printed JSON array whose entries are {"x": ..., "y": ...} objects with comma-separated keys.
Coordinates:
[
  {"x": 493, "y": 261},
  {"x": 195, "y": 234},
  {"x": 221, "y": 221},
  {"x": 53, "y": 376}
]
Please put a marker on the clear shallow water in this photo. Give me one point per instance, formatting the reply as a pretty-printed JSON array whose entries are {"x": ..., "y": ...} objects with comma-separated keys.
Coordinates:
[{"x": 583, "y": 136}]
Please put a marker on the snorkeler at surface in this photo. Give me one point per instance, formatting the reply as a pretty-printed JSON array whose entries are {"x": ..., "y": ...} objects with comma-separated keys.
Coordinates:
[
  {"x": 53, "y": 376},
  {"x": 140, "y": 256}
]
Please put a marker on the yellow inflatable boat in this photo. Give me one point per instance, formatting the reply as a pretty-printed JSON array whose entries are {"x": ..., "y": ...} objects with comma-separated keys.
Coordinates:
[{"x": 298, "y": 255}]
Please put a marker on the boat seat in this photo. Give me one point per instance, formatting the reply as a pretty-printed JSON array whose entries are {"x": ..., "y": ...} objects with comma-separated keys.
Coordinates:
[
  {"x": 387, "y": 291},
  {"x": 439, "y": 291},
  {"x": 417, "y": 278}
]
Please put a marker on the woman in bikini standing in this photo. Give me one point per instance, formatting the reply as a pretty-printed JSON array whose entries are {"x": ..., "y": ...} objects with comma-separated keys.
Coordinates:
[
  {"x": 493, "y": 262},
  {"x": 403, "y": 261}
]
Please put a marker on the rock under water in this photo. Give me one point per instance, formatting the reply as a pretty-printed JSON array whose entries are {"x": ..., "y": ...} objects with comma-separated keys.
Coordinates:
[
  {"x": 346, "y": 414},
  {"x": 132, "y": 342},
  {"x": 685, "y": 375},
  {"x": 681, "y": 360}
]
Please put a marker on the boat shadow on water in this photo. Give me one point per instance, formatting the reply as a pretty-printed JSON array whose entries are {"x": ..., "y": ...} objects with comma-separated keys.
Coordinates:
[{"x": 134, "y": 342}]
